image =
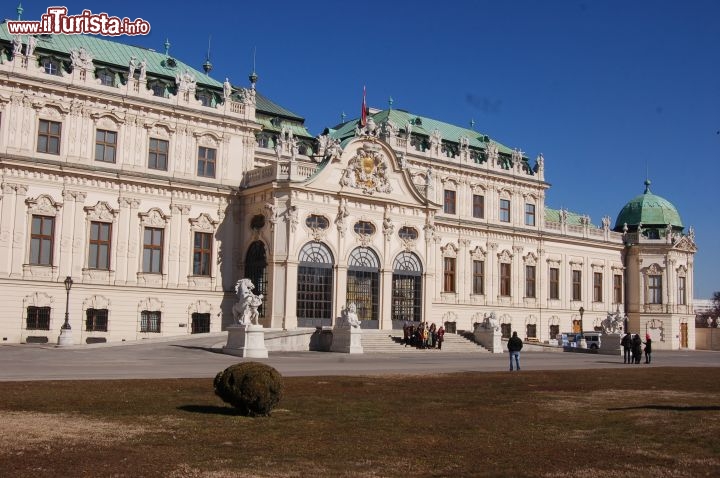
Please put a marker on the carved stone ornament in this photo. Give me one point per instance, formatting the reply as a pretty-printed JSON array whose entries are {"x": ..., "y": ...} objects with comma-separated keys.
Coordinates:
[
  {"x": 367, "y": 171},
  {"x": 81, "y": 59},
  {"x": 101, "y": 212},
  {"x": 153, "y": 218},
  {"x": 478, "y": 253},
  {"x": 450, "y": 250},
  {"x": 505, "y": 256},
  {"x": 203, "y": 223},
  {"x": 530, "y": 259},
  {"x": 96, "y": 302},
  {"x": 150, "y": 304},
  {"x": 43, "y": 205},
  {"x": 654, "y": 270}
]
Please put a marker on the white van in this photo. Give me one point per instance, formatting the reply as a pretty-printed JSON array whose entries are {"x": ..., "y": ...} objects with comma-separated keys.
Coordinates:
[{"x": 592, "y": 339}]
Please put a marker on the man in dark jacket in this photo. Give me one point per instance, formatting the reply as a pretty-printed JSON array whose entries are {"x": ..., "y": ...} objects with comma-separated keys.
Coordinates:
[
  {"x": 636, "y": 348},
  {"x": 515, "y": 345},
  {"x": 626, "y": 343}
]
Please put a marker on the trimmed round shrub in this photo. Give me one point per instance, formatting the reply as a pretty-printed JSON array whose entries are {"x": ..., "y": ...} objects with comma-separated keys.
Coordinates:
[{"x": 253, "y": 388}]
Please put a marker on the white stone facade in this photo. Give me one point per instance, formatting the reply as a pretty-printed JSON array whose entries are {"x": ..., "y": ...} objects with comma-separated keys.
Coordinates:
[{"x": 364, "y": 207}]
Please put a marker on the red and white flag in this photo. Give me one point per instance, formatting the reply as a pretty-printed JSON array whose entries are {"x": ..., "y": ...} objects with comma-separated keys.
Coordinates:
[{"x": 364, "y": 112}]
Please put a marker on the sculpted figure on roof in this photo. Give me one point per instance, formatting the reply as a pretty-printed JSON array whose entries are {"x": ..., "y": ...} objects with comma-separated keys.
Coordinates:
[
  {"x": 17, "y": 46},
  {"x": 143, "y": 69},
  {"x": 227, "y": 89},
  {"x": 30, "y": 47},
  {"x": 328, "y": 148},
  {"x": 132, "y": 66},
  {"x": 81, "y": 59}
]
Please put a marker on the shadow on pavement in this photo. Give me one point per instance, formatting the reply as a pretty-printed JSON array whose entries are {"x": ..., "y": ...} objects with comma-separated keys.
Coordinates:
[
  {"x": 210, "y": 410},
  {"x": 674, "y": 408}
]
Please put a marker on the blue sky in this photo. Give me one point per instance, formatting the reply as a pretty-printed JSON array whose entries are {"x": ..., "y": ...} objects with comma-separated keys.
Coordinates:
[{"x": 607, "y": 90}]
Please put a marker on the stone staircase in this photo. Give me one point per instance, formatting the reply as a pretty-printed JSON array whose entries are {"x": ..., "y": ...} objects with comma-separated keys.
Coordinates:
[{"x": 390, "y": 341}]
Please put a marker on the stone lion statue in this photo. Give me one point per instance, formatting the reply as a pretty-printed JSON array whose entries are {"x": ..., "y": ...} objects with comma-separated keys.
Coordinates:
[{"x": 245, "y": 310}]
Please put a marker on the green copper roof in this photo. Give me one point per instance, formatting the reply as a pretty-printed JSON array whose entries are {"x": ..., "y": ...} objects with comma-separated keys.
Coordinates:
[
  {"x": 112, "y": 53},
  {"x": 650, "y": 210},
  {"x": 264, "y": 105},
  {"x": 420, "y": 125}
]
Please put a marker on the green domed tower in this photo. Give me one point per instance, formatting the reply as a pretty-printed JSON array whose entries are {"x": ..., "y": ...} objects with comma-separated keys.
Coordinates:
[
  {"x": 658, "y": 271},
  {"x": 650, "y": 215}
]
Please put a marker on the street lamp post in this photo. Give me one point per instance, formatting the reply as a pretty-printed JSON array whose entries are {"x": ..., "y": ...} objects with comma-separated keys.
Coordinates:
[
  {"x": 583, "y": 342},
  {"x": 65, "y": 337}
]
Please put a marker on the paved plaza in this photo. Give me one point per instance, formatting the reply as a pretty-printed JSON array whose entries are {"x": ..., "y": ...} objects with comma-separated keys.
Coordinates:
[{"x": 202, "y": 357}]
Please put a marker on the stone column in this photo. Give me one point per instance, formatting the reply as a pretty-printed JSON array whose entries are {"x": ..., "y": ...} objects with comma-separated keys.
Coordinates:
[
  {"x": 123, "y": 240},
  {"x": 7, "y": 210},
  {"x": 186, "y": 244},
  {"x": 135, "y": 237},
  {"x": 173, "y": 246},
  {"x": 19, "y": 231},
  {"x": 79, "y": 236}
]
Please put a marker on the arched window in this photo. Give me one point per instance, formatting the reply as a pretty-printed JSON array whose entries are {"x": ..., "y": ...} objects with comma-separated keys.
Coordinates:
[
  {"x": 406, "y": 289},
  {"x": 363, "y": 281},
  {"x": 256, "y": 271},
  {"x": 315, "y": 285}
]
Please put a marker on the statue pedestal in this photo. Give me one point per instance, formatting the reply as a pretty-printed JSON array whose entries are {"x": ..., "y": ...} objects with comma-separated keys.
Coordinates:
[
  {"x": 65, "y": 338},
  {"x": 246, "y": 341},
  {"x": 489, "y": 338},
  {"x": 347, "y": 340},
  {"x": 610, "y": 344}
]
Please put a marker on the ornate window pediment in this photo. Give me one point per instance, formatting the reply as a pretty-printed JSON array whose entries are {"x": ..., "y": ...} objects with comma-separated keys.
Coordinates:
[
  {"x": 96, "y": 302},
  {"x": 37, "y": 299},
  {"x": 654, "y": 270},
  {"x": 682, "y": 271},
  {"x": 505, "y": 256},
  {"x": 530, "y": 259},
  {"x": 478, "y": 253},
  {"x": 154, "y": 218},
  {"x": 101, "y": 212},
  {"x": 43, "y": 205},
  {"x": 151, "y": 304},
  {"x": 449, "y": 250},
  {"x": 203, "y": 223}
]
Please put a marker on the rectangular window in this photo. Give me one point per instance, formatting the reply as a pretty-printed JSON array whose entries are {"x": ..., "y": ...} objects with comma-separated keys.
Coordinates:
[
  {"x": 576, "y": 285},
  {"x": 655, "y": 289},
  {"x": 478, "y": 277},
  {"x": 152, "y": 250},
  {"x": 554, "y": 331},
  {"x": 478, "y": 206},
  {"x": 531, "y": 331},
  {"x": 96, "y": 320},
  {"x": 682, "y": 299},
  {"x": 617, "y": 288},
  {"x": 505, "y": 280},
  {"x": 202, "y": 252},
  {"x": 506, "y": 330},
  {"x": 158, "y": 154},
  {"x": 99, "y": 255},
  {"x": 529, "y": 214},
  {"x": 597, "y": 287},
  {"x": 206, "y": 162},
  {"x": 49, "y": 133},
  {"x": 105, "y": 145},
  {"x": 200, "y": 323},
  {"x": 150, "y": 321},
  {"x": 449, "y": 203},
  {"x": 38, "y": 318},
  {"x": 505, "y": 210},
  {"x": 41, "y": 240},
  {"x": 449, "y": 274},
  {"x": 530, "y": 281},
  {"x": 554, "y": 283}
]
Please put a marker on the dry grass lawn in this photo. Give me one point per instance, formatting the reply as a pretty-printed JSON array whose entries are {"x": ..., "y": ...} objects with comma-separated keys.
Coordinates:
[{"x": 659, "y": 422}]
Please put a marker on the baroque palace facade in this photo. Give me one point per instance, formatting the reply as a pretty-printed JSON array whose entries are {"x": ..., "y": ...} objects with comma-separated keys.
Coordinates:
[{"x": 155, "y": 188}]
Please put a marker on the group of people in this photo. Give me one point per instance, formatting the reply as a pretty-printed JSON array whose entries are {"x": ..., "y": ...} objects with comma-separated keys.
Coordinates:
[
  {"x": 423, "y": 336},
  {"x": 632, "y": 348}
]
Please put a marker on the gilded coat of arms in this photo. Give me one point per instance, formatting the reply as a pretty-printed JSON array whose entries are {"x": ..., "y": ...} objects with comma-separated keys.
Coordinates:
[{"x": 367, "y": 170}]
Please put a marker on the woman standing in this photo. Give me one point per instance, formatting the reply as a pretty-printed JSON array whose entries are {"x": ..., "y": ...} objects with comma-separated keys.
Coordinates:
[{"x": 648, "y": 348}]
